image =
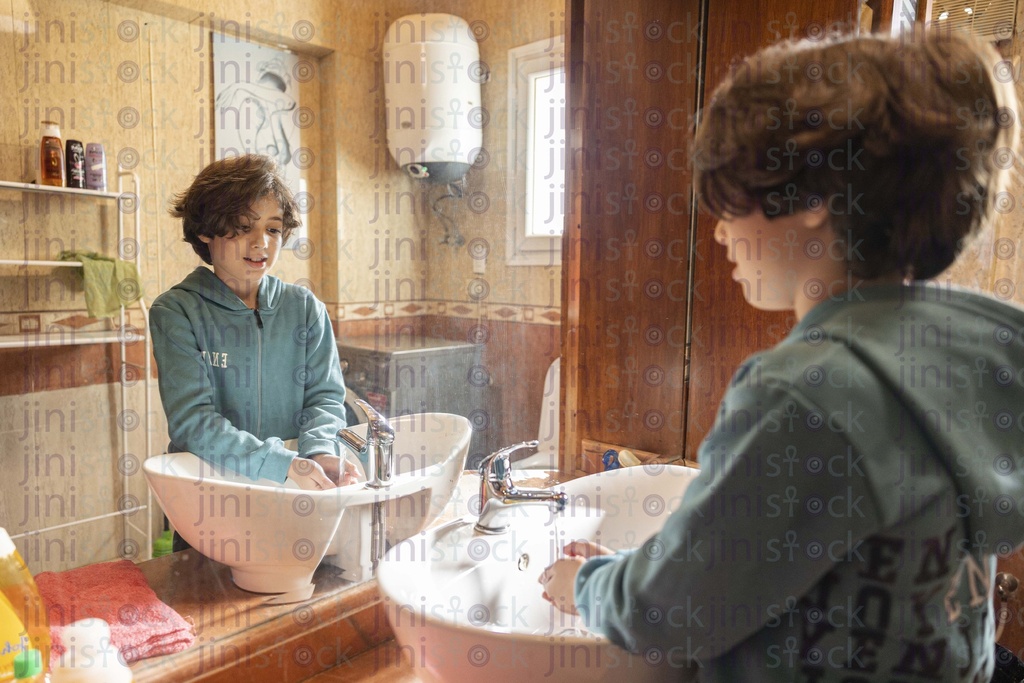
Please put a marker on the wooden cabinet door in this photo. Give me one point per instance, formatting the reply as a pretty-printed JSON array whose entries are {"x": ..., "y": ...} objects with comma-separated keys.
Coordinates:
[
  {"x": 634, "y": 79},
  {"x": 644, "y": 285},
  {"x": 725, "y": 328}
]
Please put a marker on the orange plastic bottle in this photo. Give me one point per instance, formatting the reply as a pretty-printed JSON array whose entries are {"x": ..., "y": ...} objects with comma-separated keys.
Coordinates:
[
  {"x": 21, "y": 609},
  {"x": 51, "y": 156}
]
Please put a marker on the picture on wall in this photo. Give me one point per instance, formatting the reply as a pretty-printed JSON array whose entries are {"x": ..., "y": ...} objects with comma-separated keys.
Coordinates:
[{"x": 255, "y": 101}]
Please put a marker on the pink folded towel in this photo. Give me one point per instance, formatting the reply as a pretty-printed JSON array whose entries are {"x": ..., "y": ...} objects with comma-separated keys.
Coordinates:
[{"x": 140, "y": 624}]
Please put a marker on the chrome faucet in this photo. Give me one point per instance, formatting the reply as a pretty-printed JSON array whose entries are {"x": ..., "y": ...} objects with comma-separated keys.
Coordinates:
[
  {"x": 498, "y": 494},
  {"x": 379, "y": 440}
]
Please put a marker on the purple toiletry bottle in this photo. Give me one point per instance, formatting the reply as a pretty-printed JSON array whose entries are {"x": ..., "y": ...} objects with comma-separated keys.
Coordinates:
[{"x": 95, "y": 167}]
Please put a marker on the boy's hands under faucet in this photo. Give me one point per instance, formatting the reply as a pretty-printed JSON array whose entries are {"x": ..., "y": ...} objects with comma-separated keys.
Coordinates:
[
  {"x": 586, "y": 549},
  {"x": 309, "y": 475},
  {"x": 341, "y": 471},
  {"x": 559, "y": 582},
  {"x": 559, "y": 579},
  {"x": 322, "y": 471}
]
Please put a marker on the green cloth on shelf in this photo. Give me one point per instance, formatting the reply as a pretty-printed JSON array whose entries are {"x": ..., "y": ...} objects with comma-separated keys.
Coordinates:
[{"x": 109, "y": 283}]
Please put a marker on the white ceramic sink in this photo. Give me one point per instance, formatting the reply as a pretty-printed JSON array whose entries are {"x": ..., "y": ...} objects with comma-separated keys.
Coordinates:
[
  {"x": 470, "y": 607},
  {"x": 273, "y": 536}
]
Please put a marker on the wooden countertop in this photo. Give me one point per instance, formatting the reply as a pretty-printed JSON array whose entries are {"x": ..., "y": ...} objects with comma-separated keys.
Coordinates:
[{"x": 238, "y": 630}]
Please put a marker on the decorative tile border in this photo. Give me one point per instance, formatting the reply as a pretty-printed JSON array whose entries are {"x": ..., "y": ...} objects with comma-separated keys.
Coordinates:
[
  {"x": 31, "y": 322},
  {"x": 471, "y": 310}
]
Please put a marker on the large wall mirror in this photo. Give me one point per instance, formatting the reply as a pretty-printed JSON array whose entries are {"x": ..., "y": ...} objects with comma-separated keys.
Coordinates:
[{"x": 481, "y": 320}]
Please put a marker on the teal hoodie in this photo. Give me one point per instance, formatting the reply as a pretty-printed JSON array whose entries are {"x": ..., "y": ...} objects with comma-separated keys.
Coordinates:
[
  {"x": 857, "y": 486},
  {"x": 236, "y": 382}
]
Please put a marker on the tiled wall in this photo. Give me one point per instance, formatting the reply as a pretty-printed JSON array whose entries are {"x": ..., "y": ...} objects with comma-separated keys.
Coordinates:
[
  {"x": 136, "y": 76},
  {"x": 64, "y": 461}
]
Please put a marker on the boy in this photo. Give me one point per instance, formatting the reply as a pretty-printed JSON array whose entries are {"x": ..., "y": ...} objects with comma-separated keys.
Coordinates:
[
  {"x": 246, "y": 360},
  {"x": 862, "y": 475}
]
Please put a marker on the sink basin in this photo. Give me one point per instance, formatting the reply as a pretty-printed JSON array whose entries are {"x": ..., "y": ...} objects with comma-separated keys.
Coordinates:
[
  {"x": 432, "y": 449},
  {"x": 273, "y": 536},
  {"x": 469, "y": 605}
]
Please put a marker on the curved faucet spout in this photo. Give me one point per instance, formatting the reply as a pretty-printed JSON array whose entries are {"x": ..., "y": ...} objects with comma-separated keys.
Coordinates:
[
  {"x": 354, "y": 442},
  {"x": 498, "y": 494},
  {"x": 377, "y": 445}
]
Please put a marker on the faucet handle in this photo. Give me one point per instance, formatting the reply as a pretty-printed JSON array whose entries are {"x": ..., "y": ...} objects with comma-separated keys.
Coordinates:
[
  {"x": 498, "y": 466},
  {"x": 497, "y": 491},
  {"x": 377, "y": 426}
]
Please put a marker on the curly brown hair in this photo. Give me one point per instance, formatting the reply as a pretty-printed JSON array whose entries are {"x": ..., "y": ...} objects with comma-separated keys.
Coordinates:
[
  {"x": 906, "y": 142},
  {"x": 226, "y": 190}
]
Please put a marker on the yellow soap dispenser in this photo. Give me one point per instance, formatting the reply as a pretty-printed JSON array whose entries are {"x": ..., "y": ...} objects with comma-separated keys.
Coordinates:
[
  {"x": 13, "y": 639},
  {"x": 23, "y": 623}
]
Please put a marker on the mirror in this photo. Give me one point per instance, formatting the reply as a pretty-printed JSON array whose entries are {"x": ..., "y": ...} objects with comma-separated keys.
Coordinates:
[{"x": 78, "y": 418}]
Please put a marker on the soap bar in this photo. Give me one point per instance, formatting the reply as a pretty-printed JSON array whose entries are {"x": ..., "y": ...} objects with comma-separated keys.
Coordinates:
[{"x": 628, "y": 459}]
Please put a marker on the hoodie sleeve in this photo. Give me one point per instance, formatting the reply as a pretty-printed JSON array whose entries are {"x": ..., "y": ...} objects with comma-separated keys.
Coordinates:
[
  {"x": 770, "y": 513},
  {"x": 193, "y": 422},
  {"x": 323, "y": 405}
]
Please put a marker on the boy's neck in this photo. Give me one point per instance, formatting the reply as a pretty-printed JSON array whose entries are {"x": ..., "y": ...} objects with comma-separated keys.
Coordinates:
[
  {"x": 842, "y": 285},
  {"x": 248, "y": 291},
  {"x": 252, "y": 296}
]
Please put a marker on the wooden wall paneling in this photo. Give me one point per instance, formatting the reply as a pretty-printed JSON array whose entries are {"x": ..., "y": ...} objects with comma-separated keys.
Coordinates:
[
  {"x": 634, "y": 72},
  {"x": 569, "y": 440},
  {"x": 725, "y": 329},
  {"x": 514, "y": 361},
  {"x": 621, "y": 314},
  {"x": 881, "y": 15}
]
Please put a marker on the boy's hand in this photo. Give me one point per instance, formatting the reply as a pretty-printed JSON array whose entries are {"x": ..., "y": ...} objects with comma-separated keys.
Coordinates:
[
  {"x": 586, "y": 549},
  {"x": 559, "y": 581},
  {"x": 308, "y": 474},
  {"x": 341, "y": 471}
]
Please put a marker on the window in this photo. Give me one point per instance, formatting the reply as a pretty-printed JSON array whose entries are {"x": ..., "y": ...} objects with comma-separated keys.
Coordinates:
[{"x": 536, "y": 152}]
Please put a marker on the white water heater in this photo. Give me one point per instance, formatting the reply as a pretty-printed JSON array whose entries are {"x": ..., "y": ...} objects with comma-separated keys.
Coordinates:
[{"x": 434, "y": 114}]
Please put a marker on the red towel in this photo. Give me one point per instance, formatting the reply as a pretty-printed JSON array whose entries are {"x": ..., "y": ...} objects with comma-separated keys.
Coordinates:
[{"x": 140, "y": 624}]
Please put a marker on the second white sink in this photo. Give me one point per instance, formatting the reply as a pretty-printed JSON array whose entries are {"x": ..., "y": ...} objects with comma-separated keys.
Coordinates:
[{"x": 470, "y": 606}]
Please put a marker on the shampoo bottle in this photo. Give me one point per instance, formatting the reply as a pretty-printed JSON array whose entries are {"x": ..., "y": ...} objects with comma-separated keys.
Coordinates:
[
  {"x": 74, "y": 157},
  {"x": 95, "y": 167},
  {"x": 21, "y": 610},
  {"x": 51, "y": 156}
]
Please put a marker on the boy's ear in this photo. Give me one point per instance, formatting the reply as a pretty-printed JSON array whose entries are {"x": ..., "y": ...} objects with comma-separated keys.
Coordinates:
[
  {"x": 812, "y": 220},
  {"x": 205, "y": 238}
]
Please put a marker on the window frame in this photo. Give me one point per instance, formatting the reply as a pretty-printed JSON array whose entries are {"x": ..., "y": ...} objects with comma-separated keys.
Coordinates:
[{"x": 540, "y": 56}]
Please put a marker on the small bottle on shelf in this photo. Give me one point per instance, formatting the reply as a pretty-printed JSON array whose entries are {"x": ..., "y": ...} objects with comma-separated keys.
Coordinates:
[
  {"x": 74, "y": 157},
  {"x": 95, "y": 167},
  {"x": 51, "y": 156}
]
